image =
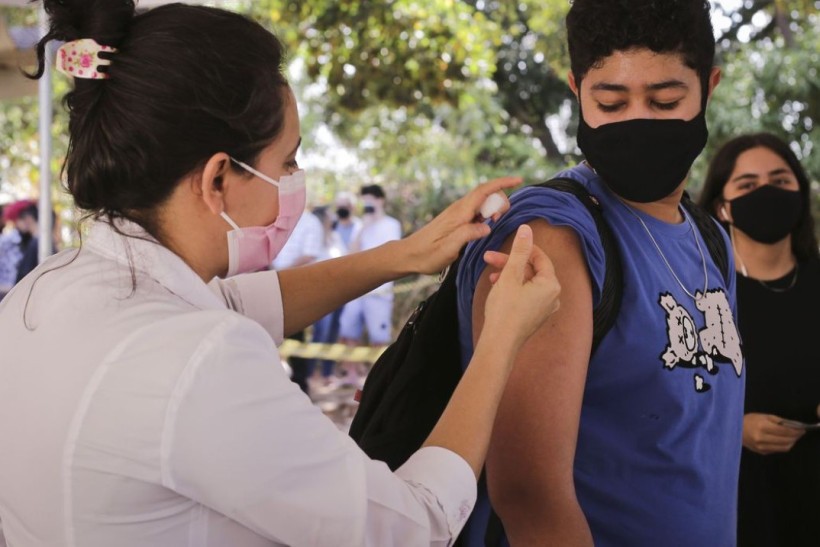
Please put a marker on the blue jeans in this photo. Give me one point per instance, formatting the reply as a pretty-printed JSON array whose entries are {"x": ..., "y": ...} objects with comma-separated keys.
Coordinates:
[{"x": 326, "y": 331}]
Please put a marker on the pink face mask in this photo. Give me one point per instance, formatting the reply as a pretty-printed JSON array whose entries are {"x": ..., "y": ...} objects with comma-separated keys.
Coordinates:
[{"x": 254, "y": 248}]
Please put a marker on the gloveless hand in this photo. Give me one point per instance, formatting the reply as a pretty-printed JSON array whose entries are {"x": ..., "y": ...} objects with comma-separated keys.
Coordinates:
[
  {"x": 437, "y": 244},
  {"x": 524, "y": 293},
  {"x": 763, "y": 434}
]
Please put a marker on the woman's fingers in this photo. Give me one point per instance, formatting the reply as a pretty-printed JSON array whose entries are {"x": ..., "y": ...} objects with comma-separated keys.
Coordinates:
[
  {"x": 437, "y": 244},
  {"x": 764, "y": 434},
  {"x": 495, "y": 259},
  {"x": 472, "y": 202},
  {"x": 519, "y": 257},
  {"x": 541, "y": 263},
  {"x": 538, "y": 262},
  {"x": 525, "y": 292}
]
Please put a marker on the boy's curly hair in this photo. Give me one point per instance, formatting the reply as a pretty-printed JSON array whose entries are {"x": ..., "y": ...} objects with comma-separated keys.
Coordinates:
[{"x": 597, "y": 28}]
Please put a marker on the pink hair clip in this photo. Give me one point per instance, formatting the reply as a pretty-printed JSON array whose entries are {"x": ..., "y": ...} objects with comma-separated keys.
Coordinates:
[{"x": 80, "y": 59}]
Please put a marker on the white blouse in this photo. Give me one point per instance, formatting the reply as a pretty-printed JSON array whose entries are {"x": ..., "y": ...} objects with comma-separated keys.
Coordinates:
[{"x": 137, "y": 407}]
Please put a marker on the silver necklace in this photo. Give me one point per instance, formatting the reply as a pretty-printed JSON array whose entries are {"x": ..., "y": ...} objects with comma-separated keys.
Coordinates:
[
  {"x": 792, "y": 283},
  {"x": 746, "y": 273},
  {"x": 669, "y": 266}
]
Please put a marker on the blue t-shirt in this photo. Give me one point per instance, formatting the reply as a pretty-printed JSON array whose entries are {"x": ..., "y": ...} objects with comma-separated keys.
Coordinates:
[{"x": 661, "y": 420}]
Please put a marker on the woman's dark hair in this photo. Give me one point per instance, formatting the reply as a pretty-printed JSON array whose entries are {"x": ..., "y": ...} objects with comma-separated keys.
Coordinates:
[
  {"x": 185, "y": 83},
  {"x": 598, "y": 28},
  {"x": 804, "y": 241}
]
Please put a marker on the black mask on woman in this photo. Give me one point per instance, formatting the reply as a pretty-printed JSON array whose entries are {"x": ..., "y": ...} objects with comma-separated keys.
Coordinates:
[
  {"x": 343, "y": 213},
  {"x": 767, "y": 214},
  {"x": 644, "y": 160}
]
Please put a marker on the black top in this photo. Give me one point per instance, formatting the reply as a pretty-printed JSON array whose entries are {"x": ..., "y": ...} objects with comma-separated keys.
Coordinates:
[{"x": 780, "y": 493}]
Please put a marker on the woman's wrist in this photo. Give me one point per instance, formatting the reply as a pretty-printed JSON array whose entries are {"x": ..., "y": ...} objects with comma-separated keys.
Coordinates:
[
  {"x": 498, "y": 349},
  {"x": 504, "y": 332},
  {"x": 399, "y": 258},
  {"x": 389, "y": 261}
]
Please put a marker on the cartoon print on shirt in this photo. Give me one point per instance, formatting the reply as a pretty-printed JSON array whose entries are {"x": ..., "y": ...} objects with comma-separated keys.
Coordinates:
[
  {"x": 719, "y": 338},
  {"x": 718, "y": 342}
]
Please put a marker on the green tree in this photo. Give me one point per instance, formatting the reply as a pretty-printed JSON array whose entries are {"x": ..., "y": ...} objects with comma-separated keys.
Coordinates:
[
  {"x": 430, "y": 97},
  {"x": 770, "y": 57}
]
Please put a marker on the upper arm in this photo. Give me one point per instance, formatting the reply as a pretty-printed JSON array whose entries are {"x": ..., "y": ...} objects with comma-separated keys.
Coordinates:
[
  {"x": 257, "y": 296},
  {"x": 530, "y": 461}
]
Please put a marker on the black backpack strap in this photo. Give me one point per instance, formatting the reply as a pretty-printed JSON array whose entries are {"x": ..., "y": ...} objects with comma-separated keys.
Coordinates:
[
  {"x": 711, "y": 233},
  {"x": 603, "y": 316}
]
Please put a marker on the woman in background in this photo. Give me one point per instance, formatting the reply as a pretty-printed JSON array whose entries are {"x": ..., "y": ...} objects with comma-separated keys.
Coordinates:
[{"x": 757, "y": 188}]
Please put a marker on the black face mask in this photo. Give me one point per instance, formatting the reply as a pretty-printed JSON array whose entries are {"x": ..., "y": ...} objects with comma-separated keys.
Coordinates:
[
  {"x": 767, "y": 214},
  {"x": 643, "y": 160},
  {"x": 343, "y": 213},
  {"x": 369, "y": 209}
]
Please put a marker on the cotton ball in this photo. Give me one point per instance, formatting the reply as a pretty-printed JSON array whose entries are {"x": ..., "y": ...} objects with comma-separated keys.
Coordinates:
[{"x": 492, "y": 205}]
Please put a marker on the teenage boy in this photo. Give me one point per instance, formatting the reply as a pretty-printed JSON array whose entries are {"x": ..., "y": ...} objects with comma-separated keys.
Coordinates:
[{"x": 637, "y": 444}]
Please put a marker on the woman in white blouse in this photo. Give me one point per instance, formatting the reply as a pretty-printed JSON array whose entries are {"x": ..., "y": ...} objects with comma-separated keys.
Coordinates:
[{"x": 141, "y": 401}]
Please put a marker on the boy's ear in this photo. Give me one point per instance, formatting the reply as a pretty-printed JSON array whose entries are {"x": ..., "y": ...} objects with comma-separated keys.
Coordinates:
[
  {"x": 714, "y": 80},
  {"x": 573, "y": 85}
]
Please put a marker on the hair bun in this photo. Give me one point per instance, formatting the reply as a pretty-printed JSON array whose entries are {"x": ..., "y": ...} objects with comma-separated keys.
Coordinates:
[{"x": 105, "y": 21}]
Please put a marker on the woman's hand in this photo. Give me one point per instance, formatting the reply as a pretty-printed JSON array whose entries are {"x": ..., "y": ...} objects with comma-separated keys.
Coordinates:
[
  {"x": 524, "y": 293},
  {"x": 436, "y": 245},
  {"x": 763, "y": 434}
]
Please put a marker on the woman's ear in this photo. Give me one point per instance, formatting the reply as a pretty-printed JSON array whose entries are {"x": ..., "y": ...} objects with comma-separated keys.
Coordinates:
[
  {"x": 723, "y": 216},
  {"x": 212, "y": 182}
]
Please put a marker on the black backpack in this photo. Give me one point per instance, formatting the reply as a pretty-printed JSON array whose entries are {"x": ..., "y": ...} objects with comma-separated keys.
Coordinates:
[{"x": 410, "y": 384}]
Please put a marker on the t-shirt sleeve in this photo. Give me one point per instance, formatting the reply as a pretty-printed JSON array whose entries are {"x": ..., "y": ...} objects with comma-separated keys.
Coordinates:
[{"x": 556, "y": 207}]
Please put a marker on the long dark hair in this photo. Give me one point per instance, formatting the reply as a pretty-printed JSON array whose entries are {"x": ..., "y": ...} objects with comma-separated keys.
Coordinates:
[
  {"x": 185, "y": 83},
  {"x": 804, "y": 241}
]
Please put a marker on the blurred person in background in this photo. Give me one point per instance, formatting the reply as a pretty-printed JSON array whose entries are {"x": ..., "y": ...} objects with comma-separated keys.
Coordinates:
[
  {"x": 371, "y": 314},
  {"x": 303, "y": 247},
  {"x": 347, "y": 224},
  {"x": 14, "y": 243},
  {"x": 326, "y": 329},
  {"x": 29, "y": 224},
  {"x": 757, "y": 188}
]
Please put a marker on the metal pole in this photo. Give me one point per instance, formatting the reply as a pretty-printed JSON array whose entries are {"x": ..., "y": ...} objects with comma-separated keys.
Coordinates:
[{"x": 45, "y": 249}]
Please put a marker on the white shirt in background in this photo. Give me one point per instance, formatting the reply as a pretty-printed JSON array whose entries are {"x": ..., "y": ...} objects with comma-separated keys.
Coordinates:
[
  {"x": 305, "y": 241},
  {"x": 375, "y": 232}
]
